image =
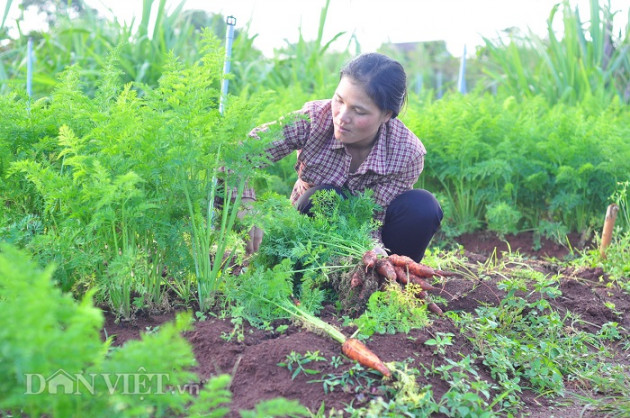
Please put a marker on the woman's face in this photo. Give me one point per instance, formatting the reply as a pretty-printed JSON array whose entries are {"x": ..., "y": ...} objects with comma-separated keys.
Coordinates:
[{"x": 355, "y": 115}]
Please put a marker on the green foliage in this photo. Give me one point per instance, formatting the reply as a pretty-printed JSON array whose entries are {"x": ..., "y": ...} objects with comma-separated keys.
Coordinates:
[
  {"x": 277, "y": 407},
  {"x": 586, "y": 61},
  {"x": 49, "y": 334},
  {"x": 48, "y": 331},
  {"x": 405, "y": 397},
  {"x": 295, "y": 363},
  {"x": 440, "y": 341},
  {"x": 485, "y": 150},
  {"x": 340, "y": 227},
  {"x": 84, "y": 38},
  {"x": 503, "y": 218},
  {"x": 298, "y": 253},
  {"x": 522, "y": 340},
  {"x": 392, "y": 311},
  {"x": 257, "y": 293},
  {"x": 468, "y": 394},
  {"x": 127, "y": 183},
  {"x": 306, "y": 69},
  {"x": 214, "y": 399}
]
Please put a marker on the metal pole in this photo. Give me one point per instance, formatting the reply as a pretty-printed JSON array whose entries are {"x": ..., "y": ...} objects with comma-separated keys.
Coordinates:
[
  {"x": 29, "y": 67},
  {"x": 229, "y": 38},
  {"x": 461, "y": 82}
]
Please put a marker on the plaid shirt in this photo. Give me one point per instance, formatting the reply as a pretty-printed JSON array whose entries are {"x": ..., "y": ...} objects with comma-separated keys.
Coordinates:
[{"x": 392, "y": 167}]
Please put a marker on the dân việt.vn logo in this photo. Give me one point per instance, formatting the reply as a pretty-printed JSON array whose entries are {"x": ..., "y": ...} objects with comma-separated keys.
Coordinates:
[{"x": 136, "y": 383}]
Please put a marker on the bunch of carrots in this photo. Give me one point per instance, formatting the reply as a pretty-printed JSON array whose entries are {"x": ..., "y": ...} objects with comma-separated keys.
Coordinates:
[{"x": 404, "y": 270}]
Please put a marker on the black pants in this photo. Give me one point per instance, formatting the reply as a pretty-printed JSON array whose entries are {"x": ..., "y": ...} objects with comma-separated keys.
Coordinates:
[{"x": 411, "y": 220}]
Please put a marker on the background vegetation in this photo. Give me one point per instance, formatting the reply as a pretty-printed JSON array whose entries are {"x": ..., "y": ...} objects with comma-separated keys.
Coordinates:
[{"x": 119, "y": 169}]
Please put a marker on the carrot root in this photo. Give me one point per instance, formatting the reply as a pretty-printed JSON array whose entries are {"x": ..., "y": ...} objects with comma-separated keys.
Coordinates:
[
  {"x": 431, "y": 306},
  {"x": 418, "y": 269},
  {"x": 356, "y": 350},
  {"x": 422, "y": 283},
  {"x": 385, "y": 268},
  {"x": 401, "y": 275},
  {"x": 369, "y": 259},
  {"x": 356, "y": 280}
]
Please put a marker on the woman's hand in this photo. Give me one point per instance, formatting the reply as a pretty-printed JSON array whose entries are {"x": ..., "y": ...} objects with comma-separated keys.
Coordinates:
[
  {"x": 380, "y": 251},
  {"x": 255, "y": 234},
  {"x": 255, "y": 238}
]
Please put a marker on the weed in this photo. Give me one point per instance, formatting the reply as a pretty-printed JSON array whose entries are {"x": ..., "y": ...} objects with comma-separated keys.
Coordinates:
[
  {"x": 295, "y": 363},
  {"x": 391, "y": 311},
  {"x": 525, "y": 339},
  {"x": 440, "y": 342}
]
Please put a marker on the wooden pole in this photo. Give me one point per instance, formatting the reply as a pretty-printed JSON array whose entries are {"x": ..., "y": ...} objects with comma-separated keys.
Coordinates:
[{"x": 609, "y": 223}]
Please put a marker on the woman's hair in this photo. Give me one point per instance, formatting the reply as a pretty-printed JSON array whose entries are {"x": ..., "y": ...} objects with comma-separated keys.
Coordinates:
[{"x": 383, "y": 78}]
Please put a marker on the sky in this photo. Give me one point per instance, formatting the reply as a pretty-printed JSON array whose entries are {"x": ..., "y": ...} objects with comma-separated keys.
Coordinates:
[{"x": 459, "y": 22}]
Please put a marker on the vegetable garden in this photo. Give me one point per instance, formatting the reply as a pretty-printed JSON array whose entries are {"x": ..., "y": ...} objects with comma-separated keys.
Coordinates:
[{"x": 123, "y": 267}]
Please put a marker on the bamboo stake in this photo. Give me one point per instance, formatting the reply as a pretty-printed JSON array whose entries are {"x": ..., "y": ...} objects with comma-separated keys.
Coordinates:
[{"x": 609, "y": 223}]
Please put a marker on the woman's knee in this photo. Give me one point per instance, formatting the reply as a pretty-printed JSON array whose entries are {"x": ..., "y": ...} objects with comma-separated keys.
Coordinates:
[
  {"x": 417, "y": 206},
  {"x": 411, "y": 220}
]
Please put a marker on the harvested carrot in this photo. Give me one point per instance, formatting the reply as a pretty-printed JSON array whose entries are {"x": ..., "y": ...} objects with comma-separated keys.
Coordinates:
[
  {"x": 351, "y": 347},
  {"x": 422, "y": 295},
  {"x": 421, "y": 270},
  {"x": 356, "y": 350},
  {"x": 418, "y": 269},
  {"x": 369, "y": 259},
  {"x": 401, "y": 275},
  {"x": 385, "y": 268},
  {"x": 434, "y": 308},
  {"x": 356, "y": 280},
  {"x": 422, "y": 283},
  {"x": 609, "y": 223},
  {"x": 400, "y": 260}
]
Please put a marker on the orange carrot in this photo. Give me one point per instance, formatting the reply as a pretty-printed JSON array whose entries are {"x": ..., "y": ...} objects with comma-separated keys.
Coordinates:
[
  {"x": 400, "y": 260},
  {"x": 421, "y": 270},
  {"x": 422, "y": 295},
  {"x": 355, "y": 279},
  {"x": 369, "y": 259},
  {"x": 385, "y": 268},
  {"x": 356, "y": 350},
  {"x": 401, "y": 275},
  {"x": 418, "y": 269},
  {"x": 609, "y": 223},
  {"x": 422, "y": 283},
  {"x": 434, "y": 308}
]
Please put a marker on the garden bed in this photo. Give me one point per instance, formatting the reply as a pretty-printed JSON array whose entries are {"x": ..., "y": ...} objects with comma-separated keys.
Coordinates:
[{"x": 252, "y": 355}]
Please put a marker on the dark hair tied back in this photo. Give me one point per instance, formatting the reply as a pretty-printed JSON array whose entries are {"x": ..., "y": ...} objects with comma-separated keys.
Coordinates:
[{"x": 383, "y": 78}]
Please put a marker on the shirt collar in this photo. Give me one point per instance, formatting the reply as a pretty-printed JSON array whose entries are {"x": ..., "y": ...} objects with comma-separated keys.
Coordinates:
[{"x": 377, "y": 159}]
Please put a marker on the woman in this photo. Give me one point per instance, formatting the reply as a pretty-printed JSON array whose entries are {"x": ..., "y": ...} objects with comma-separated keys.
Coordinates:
[{"x": 354, "y": 142}]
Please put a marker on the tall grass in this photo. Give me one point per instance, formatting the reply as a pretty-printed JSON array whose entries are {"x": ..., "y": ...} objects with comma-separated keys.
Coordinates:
[
  {"x": 585, "y": 61},
  {"x": 84, "y": 40}
]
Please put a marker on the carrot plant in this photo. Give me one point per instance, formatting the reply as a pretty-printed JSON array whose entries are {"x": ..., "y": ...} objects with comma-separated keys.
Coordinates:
[
  {"x": 128, "y": 185},
  {"x": 51, "y": 333},
  {"x": 391, "y": 311},
  {"x": 339, "y": 228},
  {"x": 495, "y": 161}
]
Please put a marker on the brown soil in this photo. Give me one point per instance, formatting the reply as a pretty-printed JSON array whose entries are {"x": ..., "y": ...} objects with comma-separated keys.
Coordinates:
[{"x": 253, "y": 362}]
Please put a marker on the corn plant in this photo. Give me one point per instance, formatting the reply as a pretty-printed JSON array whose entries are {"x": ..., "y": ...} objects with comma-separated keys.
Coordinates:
[
  {"x": 582, "y": 63},
  {"x": 86, "y": 38}
]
